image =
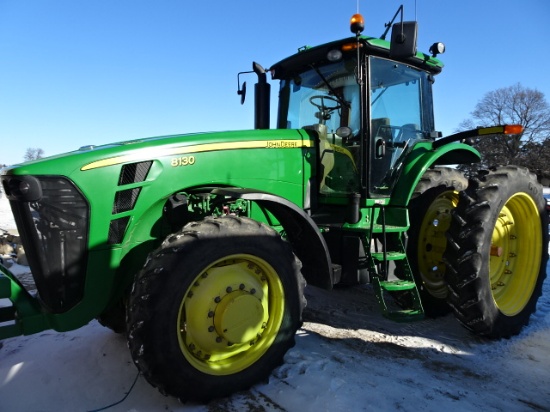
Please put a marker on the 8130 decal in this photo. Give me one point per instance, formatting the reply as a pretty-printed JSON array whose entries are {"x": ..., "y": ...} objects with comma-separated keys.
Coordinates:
[{"x": 183, "y": 161}]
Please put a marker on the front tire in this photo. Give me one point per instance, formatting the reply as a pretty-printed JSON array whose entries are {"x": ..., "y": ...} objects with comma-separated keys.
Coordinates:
[
  {"x": 215, "y": 308},
  {"x": 498, "y": 251}
]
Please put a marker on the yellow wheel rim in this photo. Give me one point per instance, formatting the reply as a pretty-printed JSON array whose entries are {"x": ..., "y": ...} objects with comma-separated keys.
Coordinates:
[
  {"x": 432, "y": 243},
  {"x": 231, "y": 315},
  {"x": 516, "y": 251}
]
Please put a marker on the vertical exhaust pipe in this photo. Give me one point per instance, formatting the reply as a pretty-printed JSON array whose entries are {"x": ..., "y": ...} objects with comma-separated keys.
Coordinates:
[{"x": 262, "y": 97}]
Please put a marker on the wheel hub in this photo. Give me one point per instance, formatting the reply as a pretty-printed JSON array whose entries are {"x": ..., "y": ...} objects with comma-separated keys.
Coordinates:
[{"x": 238, "y": 318}]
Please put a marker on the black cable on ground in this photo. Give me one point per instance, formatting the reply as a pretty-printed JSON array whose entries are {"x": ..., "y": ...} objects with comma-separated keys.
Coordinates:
[{"x": 120, "y": 401}]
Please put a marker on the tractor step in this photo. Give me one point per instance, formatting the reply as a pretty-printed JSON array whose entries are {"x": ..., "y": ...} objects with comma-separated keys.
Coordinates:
[
  {"x": 408, "y": 315},
  {"x": 377, "y": 228},
  {"x": 413, "y": 312},
  {"x": 397, "y": 285},
  {"x": 379, "y": 256},
  {"x": 404, "y": 302},
  {"x": 7, "y": 314},
  {"x": 5, "y": 286}
]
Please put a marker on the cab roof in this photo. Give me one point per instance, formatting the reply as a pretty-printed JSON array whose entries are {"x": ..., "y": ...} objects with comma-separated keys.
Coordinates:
[{"x": 370, "y": 45}]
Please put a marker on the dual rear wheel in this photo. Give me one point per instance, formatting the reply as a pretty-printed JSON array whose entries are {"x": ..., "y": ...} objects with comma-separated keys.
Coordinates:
[{"x": 480, "y": 250}]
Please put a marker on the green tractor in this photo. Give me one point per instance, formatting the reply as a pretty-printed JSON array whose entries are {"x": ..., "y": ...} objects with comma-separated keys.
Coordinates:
[{"x": 198, "y": 246}]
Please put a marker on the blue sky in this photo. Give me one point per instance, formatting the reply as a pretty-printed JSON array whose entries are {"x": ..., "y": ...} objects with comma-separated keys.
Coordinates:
[{"x": 81, "y": 72}]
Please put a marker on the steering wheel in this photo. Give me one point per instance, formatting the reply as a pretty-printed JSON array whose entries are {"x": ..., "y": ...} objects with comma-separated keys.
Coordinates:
[{"x": 324, "y": 110}]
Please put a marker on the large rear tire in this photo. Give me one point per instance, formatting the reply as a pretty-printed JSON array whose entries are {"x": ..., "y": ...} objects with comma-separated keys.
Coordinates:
[
  {"x": 497, "y": 252},
  {"x": 215, "y": 308},
  {"x": 434, "y": 197}
]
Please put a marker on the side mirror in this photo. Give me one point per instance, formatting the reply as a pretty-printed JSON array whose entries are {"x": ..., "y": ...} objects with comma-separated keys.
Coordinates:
[
  {"x": 242, "y": 92},
  {"x": 403, "y": 39}
]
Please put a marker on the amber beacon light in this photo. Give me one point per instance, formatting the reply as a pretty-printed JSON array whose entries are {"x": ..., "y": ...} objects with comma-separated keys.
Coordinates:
[{"x": 357, "y": 24}]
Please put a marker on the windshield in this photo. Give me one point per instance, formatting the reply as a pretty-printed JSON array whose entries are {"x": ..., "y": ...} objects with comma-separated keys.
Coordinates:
[{"x": 327, "y": 95}]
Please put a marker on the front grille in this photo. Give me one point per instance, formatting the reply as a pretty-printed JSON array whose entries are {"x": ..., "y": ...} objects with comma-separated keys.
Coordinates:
[{"x": 54, "y": 231}]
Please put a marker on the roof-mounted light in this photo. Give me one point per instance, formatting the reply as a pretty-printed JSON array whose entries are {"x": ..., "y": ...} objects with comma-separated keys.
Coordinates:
[
  {"x": 437, "y": 48},
  {"x": 357, "y": 24},
  {"x": 351, "y": 46},
  {"x": 334, "y": 55}
]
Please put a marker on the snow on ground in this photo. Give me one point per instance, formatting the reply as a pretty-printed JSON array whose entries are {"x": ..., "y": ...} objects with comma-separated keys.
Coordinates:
[{"x": 347, "y": 357}]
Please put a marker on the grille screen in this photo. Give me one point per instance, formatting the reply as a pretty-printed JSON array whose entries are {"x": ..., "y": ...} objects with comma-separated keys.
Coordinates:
[{"x": 54, "y": 230}]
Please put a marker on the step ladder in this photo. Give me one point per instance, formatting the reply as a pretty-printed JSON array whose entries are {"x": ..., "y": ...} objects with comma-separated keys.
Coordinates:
[{"x": 407, "y": 306}]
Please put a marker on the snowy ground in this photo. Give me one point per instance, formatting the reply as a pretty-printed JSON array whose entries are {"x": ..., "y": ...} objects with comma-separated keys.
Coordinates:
[{"x": 347, "y": 357}]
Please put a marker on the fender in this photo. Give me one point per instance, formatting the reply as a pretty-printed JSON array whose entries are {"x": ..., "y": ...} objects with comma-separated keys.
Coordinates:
[
  {"x": 424, "y": 156},
  {"x": 453, "y": 149},
  {"x": 303, "y": 234}
]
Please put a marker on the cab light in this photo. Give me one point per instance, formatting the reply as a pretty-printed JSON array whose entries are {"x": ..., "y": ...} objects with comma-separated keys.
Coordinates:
[
  {"x": 513, "y": 129},
  {"x": 357, "y": 24},
  {"x": 334, "y": 55},
  {"x": 437, "y": 48},
  {"x": 351, "y": 46},
  {"x": 504, "y": 129}
]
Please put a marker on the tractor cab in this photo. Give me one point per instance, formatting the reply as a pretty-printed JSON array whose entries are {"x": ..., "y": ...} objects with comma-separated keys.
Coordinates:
[
  {"x": 366, "y": 115},
  {"x": 366, "y": 100}
]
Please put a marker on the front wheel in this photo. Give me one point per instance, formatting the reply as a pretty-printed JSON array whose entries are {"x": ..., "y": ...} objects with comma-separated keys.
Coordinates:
[
  {"x": 215, "y": 308},
  {"x": 497, "y": 252}
]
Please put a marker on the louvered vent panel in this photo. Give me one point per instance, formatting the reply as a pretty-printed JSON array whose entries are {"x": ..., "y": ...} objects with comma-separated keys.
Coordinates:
[
  {"x": 125, "y": 200},
  {"x": 134, "y": 173},
  {"x": 117, "y": 229}
]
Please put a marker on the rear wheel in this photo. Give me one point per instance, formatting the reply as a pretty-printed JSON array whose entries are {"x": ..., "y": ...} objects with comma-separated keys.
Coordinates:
[
  {"x": 498, "y": 251},
  {"x": 215, "y": 308},
  {"x": 434, "y": 197}
]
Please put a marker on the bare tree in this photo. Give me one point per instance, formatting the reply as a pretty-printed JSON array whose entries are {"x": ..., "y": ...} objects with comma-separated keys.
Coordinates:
[
  {"x": 33, "y": 153},
  {"x": 514, "y": 105}
]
